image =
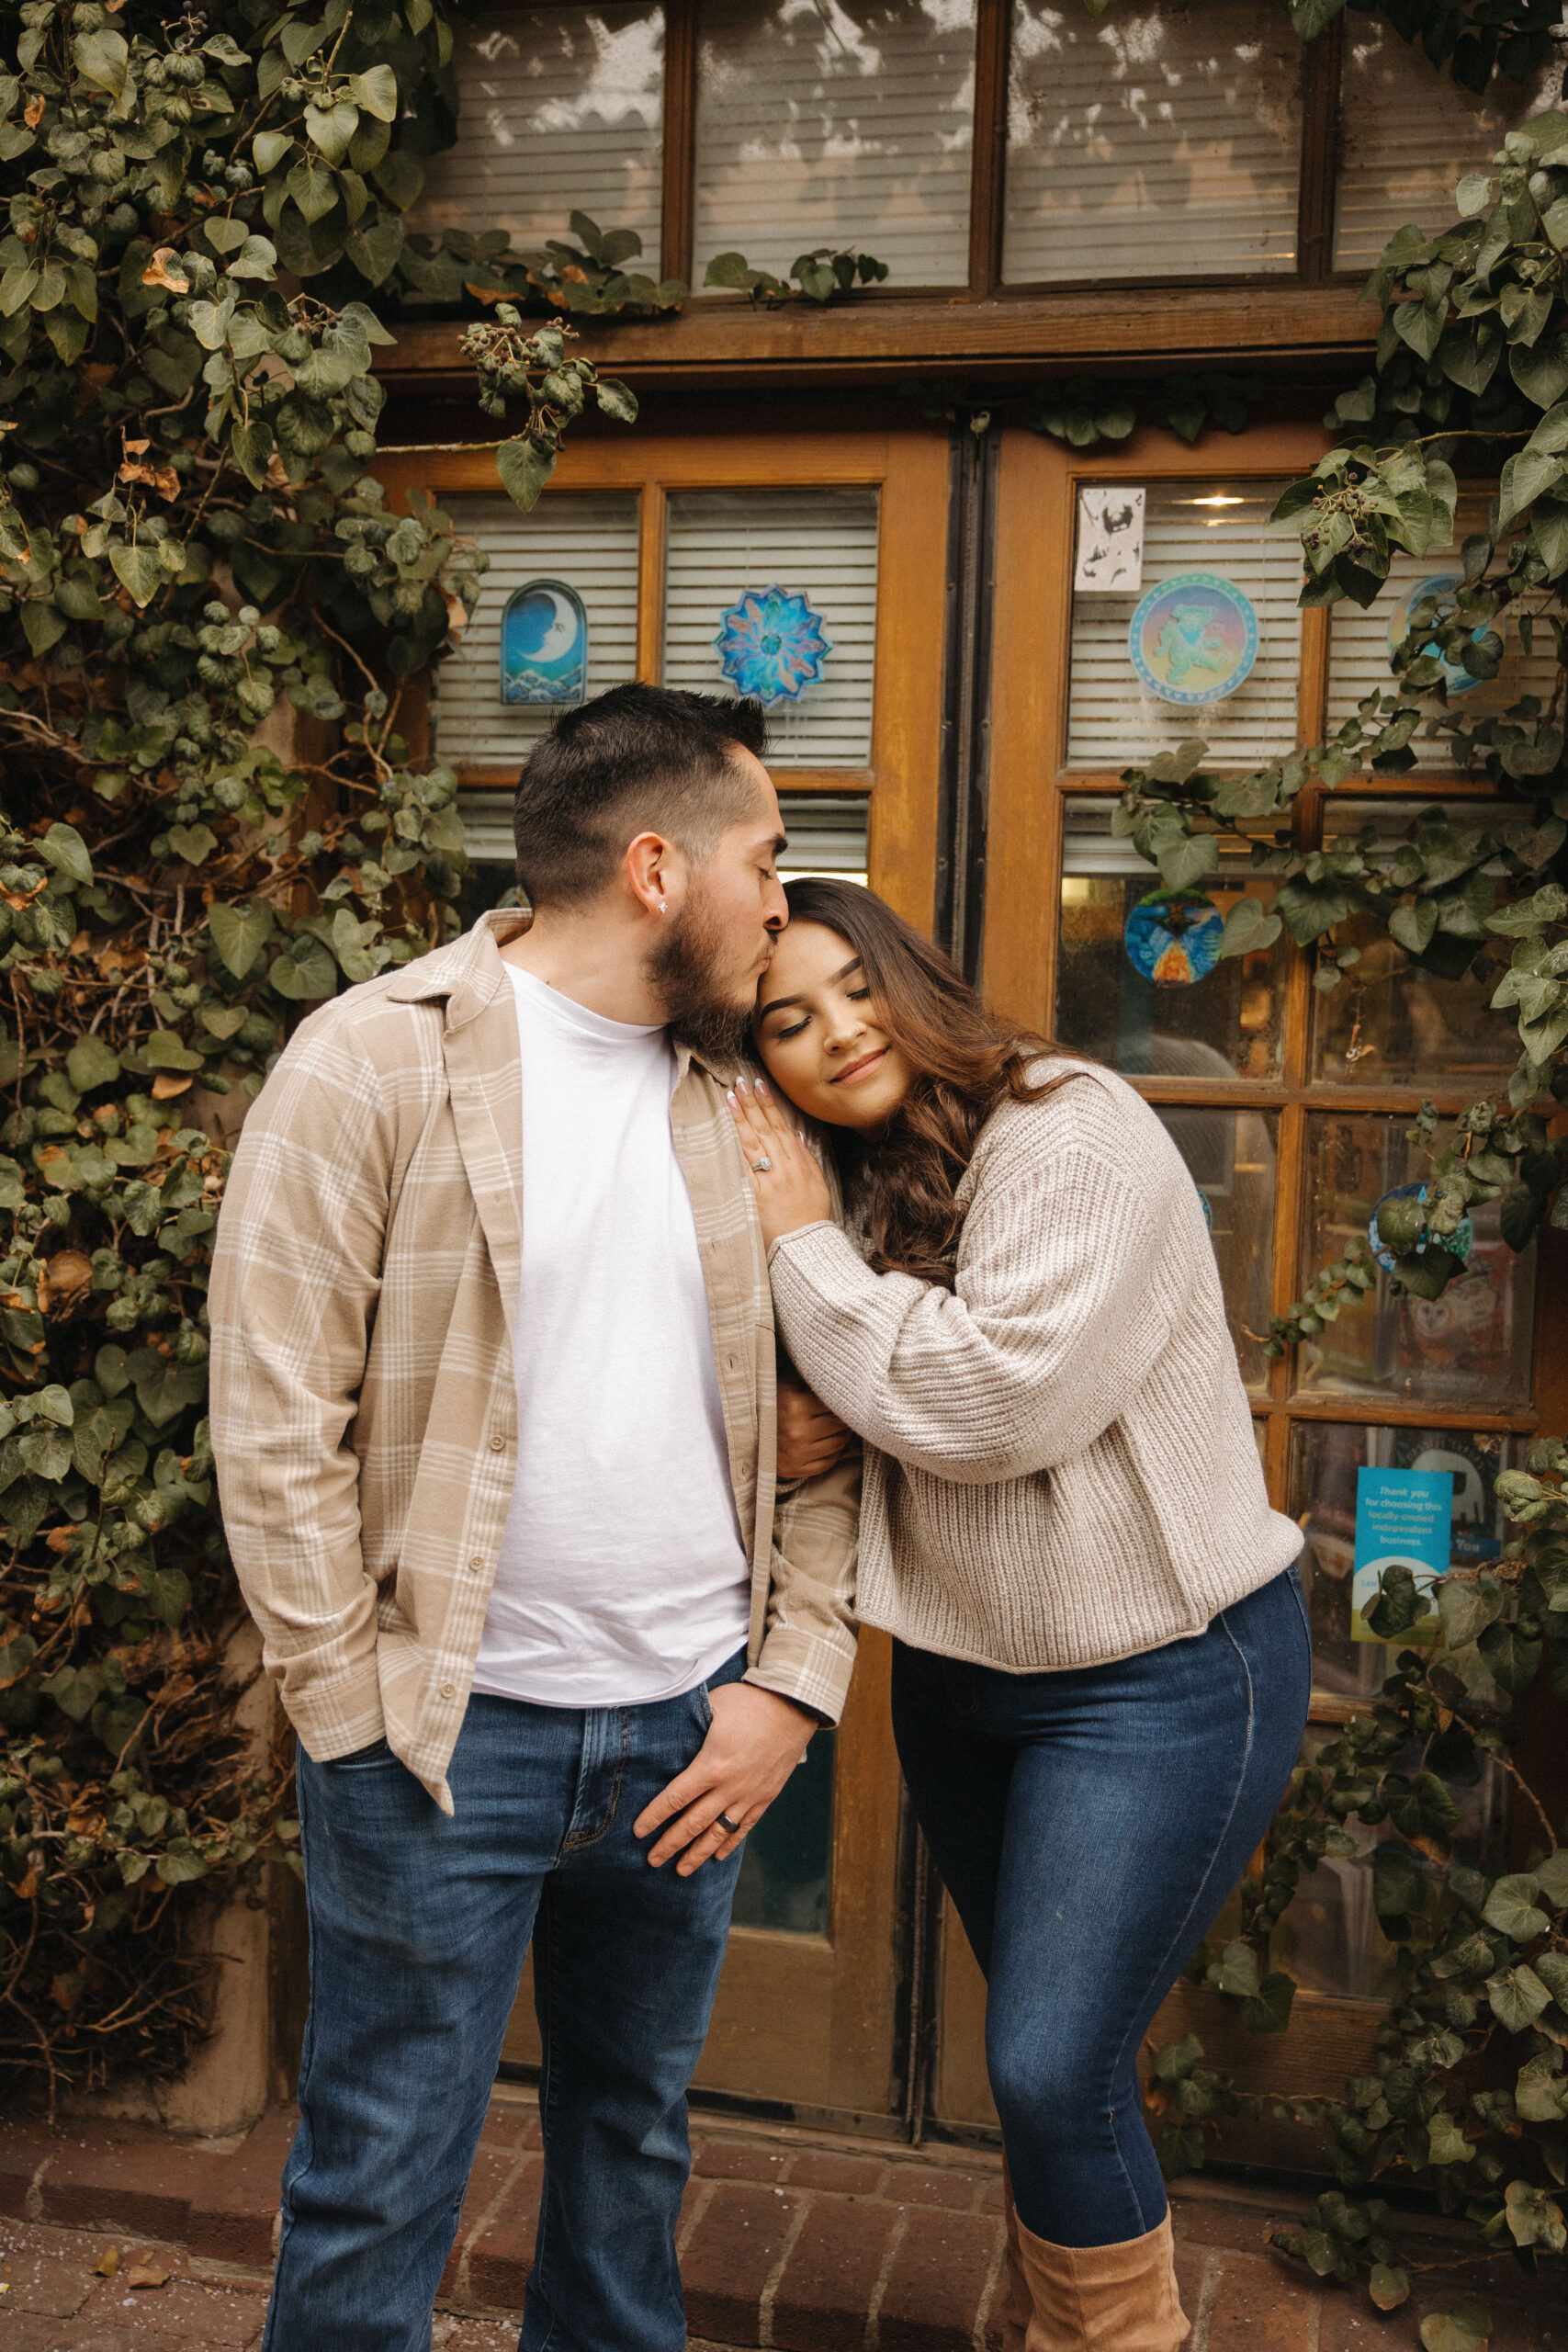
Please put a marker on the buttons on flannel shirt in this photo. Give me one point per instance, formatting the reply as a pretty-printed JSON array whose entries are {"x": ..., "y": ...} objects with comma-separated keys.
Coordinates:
[
  {"x": 448, "y": 1690},
  {"x": 498, "y": 1445},
  {"x": 477, "y": 1562}
]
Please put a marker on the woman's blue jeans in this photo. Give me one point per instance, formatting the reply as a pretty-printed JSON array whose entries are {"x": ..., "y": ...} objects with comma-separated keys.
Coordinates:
[
  {"x": 419, "y": 1925},
  {"x": 1088, "y": 1826}
]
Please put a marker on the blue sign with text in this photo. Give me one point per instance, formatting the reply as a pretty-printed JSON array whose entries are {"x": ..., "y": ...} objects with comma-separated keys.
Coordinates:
[{"x": 1404, "y": 1519}]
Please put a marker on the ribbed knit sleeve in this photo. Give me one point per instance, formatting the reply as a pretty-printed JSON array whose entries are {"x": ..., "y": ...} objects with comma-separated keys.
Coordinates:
[{"x": 1053, "y": 1327}]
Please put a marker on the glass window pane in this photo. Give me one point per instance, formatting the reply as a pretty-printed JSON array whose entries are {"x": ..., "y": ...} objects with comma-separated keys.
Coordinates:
[
  {"x": 1227, "y": 1024},
  {"x": 1191, "y": 526},
  {"x": 1471, "y": 1346},
  {"x": 818, "y": 547},
  {"x": 1391, "y": 1019},
  {"x": 1233, "y": 1160},
  {"x": 1325, "y": 1458},
  {"x": 1153, "y": 144},
  {"x": 822, "y": 125},
  {"x": 492, "y": 878},
  {"x": 562, "y": 111},
  {"x": 584, "y": 539},
  {"x": 1358, "y": 642},
  {"x": 786, "y": 1869},
  {"x": 1329, "y": 1938},
  {"x": 827, "y": 834},
  {"x": 1410, "y": 134}
]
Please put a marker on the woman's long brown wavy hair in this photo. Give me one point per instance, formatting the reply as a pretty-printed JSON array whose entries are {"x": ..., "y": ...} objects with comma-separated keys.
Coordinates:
[{"x": 902, "y": 1180}]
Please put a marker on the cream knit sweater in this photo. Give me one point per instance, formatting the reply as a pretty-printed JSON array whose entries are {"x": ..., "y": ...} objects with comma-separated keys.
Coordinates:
[{"x": 1060, "y": 1463}]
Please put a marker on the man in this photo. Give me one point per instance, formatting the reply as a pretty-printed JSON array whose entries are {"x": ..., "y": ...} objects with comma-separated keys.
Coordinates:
[{"x": 494, "y": 1406}]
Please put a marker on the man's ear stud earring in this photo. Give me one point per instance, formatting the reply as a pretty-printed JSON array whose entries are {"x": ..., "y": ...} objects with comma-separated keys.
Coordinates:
[{"x": 663, "y": 905}]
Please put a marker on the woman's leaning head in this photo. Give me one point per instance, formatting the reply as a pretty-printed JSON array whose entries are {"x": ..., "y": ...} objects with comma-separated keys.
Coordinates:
[{"x": 865, "y": 1026}]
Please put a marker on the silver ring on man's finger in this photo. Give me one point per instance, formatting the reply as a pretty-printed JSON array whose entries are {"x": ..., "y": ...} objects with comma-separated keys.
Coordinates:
[
  {"x": 730, "y": 1828},
  {"x": 761, "y": 1166}
]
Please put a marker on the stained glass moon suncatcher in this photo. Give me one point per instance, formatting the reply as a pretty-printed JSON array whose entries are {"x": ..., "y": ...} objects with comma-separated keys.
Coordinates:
[
  {"x": 772, "y": 644},
  {"x": 543, "y": 644}
]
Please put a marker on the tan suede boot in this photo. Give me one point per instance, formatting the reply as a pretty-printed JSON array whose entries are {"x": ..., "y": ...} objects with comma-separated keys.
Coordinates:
[
  {"x": 1115, "y": 2298},
  {"x": 1015, "y": 2294}
]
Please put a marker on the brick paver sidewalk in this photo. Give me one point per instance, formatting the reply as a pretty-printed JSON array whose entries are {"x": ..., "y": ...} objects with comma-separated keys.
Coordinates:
[{"x": 788, "y": 2239}]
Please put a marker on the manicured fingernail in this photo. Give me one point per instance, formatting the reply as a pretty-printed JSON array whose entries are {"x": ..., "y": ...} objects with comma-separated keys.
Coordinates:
[
  {"x": 741, "y": 1087},
  {"x": 729, "y": 1096},
  {"x": 763, "y": 1089}
]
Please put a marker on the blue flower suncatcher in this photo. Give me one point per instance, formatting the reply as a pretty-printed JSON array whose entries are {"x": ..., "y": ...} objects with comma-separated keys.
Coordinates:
[
  {"x": 544, "y": 645},
  {"x": 771, "y": 645}
]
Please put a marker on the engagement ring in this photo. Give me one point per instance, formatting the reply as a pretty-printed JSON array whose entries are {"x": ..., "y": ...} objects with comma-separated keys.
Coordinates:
[{"x": 763, "y": 1165}]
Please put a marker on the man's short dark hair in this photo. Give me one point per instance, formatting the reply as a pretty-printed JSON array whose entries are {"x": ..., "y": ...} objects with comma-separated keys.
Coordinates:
[{"x": 636, "y": 759}]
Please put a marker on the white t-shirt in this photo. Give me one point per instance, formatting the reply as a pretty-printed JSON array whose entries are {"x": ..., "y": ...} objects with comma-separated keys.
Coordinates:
[{"x": 622, "y": 1576}]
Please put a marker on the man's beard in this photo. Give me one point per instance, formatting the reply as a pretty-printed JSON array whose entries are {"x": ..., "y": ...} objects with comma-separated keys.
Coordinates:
[{"x": 685, "y": 969}]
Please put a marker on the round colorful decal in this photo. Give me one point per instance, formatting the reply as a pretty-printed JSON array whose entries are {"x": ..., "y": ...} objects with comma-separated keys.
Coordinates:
[
  {"x": 1193, "y": 638},
  {"x": 543, "y": 644},
  {"x": 1456, "y": 677},
  {"x": 771, "y": 645},
  {"x": 1459, "y": 1242},
  {"x": 1173, "y": 937}
]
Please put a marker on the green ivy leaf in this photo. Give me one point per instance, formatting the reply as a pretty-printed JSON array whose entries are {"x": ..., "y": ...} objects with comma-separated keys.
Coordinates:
[
  {"x": 138, "y": 570},
  {"x": 1465, "y": 2326},
  {"x": 1270, "y": 2012},
  {"x": 304, "y": 971},
  {"x": 377, "y": 92},
  {"x": 524, "y": 467},
  {"x": 192, "y": 842},
  {"x": 1534, "y": 2219},
  {"x": 103, "y": 59},
  {"x": 1389, "y": 2285},
  {"x": 166, "y": 1049},
  {"x": 240, "y": 932},
  {"x": 1511, "y": 1908},
  {"x": 1517, "y": 1998},
  {"x": 63, "y": 848},
  {"x": 180, "y": 1861}
]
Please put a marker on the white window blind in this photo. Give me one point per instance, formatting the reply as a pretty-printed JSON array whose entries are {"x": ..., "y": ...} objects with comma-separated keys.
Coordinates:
[
  {"x": 562, "y": 112},
  {"x": 822, "y": 125},
  {"x": 819, "y": 544},
  {"x": 587, "y": 538},
  {"x": 827, "y": 834},
  {"x": 1358, "y": 647},
  {"x": 1193, "y": 525},
  {"x": 1410, "y": 134},
  {"x": 1151, "y": 142},
  {"x": 487, "y": 825},
  {"x": 827, "y": 831}
]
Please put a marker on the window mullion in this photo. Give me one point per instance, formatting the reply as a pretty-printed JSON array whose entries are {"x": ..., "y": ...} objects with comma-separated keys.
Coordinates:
[
  {"x": 680, "y": 139},
  {"x": 988, "y": 182},
  {"x": 1320, "y": 153}
]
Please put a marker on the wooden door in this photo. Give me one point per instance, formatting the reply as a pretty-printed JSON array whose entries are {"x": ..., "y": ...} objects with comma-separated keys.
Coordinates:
[
  {"x": 1291, "y": 1105},
  {"x": 659, "y": 538}
]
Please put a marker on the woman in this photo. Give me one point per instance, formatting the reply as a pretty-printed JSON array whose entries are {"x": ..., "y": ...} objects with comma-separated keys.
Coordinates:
[{"x": 1101, "y": 1657}]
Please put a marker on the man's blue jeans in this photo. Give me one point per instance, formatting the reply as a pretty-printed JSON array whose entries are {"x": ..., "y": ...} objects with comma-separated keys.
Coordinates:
[
  {"x": 1088, "y": 1826},
  {"x": 419, "y": 1925}
]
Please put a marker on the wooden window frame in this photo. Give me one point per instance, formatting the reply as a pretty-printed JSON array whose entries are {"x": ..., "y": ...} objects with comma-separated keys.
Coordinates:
[
  {"x": 1319, "y": 152},
  {"x": 1031, "y": 783},
  {"x": 910, "y": 470},
  {"x": 812, "y": 2022},
  {"x": 1331, "y": 2035}
]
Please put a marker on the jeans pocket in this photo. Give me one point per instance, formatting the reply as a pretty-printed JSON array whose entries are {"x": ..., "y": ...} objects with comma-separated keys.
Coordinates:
[{"x": 362, "y": 1759}]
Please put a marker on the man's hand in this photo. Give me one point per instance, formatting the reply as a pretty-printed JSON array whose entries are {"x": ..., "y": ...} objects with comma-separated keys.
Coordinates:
[
  {"x": 755, "y": 1742},
  {"x": 810, "y": 1438}
]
